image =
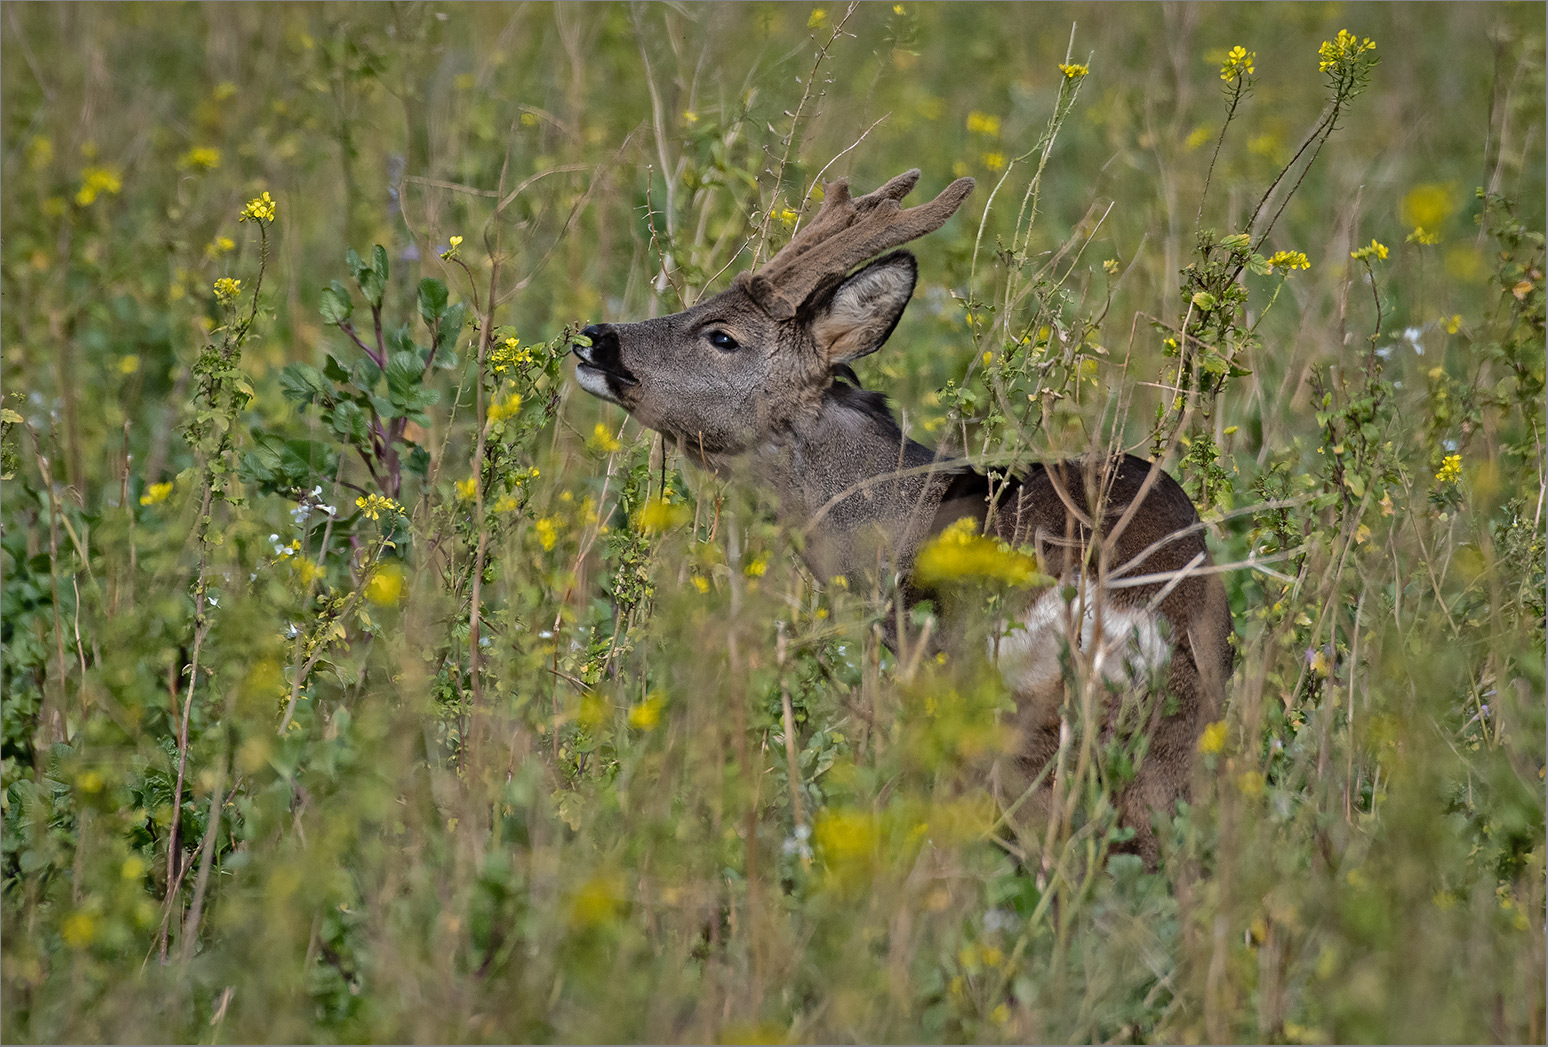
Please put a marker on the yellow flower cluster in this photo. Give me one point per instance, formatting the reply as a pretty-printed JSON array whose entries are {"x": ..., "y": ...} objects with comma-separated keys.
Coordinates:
[
  {"x": 1342, "y": 49},
  {"x": 509, "y": 355},
  {"x": 1375, "y": 250},
  {"x": 374, "y": 505},
  {"x": 661, "y": 515},
  {"x": 602, "y": 440},
  {"x": 648, "y": 713},
  {"x": 451, "y": 251},
  {"x": 1423, "y": 237},
  {"x": 466, "y": 489},
  {"x": 1214, "y": 738},
  {"x": 226, "y": 289},
  {"x": 960, "y": 553},
  {"x": 200, "y": 158},
  {"x": 1073, "y": 70},
  {"x": 156, "y": 493},
  {"x": 259, "y": 209},
  {"x": 1238, "y": 64},
  {"x": 983, "y": 124},
  {"x": 1450, "y": 470},
  {"x": 98, "y": 180},
  {"x": 386, "y": 586},
  {"x": 994, "y": 161},
  {"x": 547, "y": 531},
  {"x": 501, "y": 409},
  {"x": 1289, "y": 260}
]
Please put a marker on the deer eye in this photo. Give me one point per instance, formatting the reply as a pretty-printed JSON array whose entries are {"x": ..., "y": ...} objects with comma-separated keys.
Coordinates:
[{"x": 722, "y": 341}]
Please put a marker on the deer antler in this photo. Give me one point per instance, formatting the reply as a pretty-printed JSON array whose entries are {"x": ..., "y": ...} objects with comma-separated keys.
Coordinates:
[{"x": 846, "y": 232}]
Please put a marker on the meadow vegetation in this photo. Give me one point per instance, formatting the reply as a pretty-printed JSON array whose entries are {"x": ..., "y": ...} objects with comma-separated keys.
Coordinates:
[{"x": 365, "y": 680}]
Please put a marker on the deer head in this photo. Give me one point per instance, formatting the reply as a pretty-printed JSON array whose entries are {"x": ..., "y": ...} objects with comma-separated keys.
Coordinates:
[{"x": 738, "y": 368}]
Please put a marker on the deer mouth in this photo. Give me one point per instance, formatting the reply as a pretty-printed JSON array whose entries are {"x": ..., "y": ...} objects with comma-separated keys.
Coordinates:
[{"x": 603, "y": 382}]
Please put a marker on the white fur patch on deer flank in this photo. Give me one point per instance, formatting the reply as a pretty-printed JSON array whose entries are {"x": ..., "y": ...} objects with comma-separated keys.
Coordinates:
[{"x": 1132, "y": 648}]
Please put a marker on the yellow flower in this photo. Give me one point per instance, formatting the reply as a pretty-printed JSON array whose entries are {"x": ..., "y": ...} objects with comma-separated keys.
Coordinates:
[
  {"x": 1214, "y": 738},
  {"x": 547, "y": 532},
  {"x": 1423, "y": 237},
  {"x": 1375, "y": 250},
  {"x": 386, "y": 586},
  {"x": 818, "y": 16},
  {"x": 219, "y": 246},
  {"x": 960, "y": 553},
  {"x": 700, "y": 583},
  {"x": 661, "y": 515},
  {"x": 1197, "y": 137},
  {"x": 507, "y": 355},
  {"x": 1453, "y": 323},
  {"x": 898, "y": 9},
  {"x": 40, "y": 152},
  {"x": 1450, "y": 470},
  {"x": 648, "y": 713},
  {"x": 1238, "y": 64},
  {"x": 98, "y": 180},
  {"x": 983, "y": 124},
  {"x": 79, "y": 930},
  {"x": 200, "y": 158},
  {"x": 226, "y": 289},
  {"x": 466, "y": 489},
  {"x": 689, "y": 116},
  {"x": 1428, "y": 204},
  {"x": 599, "y": 901},
  {"x": 156, "y": 493},
  {"x": 602, "y": 440},
  {"x": 1339, "y": 52},
  {"x": 372, "y": 506},
  {"x": 259, "y": 209},
  {"x": 1073, "y": 70},
  {"x": 1250, "y": 783},
  {"x": 451, "y": 251},
  {"x": 757, "y": 567},
  {"x": 128, "y": 364},
  {"x": 506, "y": 408},
  {"x": 1289, "y": 261},
  {"x": 133, "y": 867},
  {"x": 994, "y": 161}
]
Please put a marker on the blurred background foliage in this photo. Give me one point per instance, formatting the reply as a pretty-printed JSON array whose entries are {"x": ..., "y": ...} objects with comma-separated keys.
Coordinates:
[{"x": 363, "y": 681}]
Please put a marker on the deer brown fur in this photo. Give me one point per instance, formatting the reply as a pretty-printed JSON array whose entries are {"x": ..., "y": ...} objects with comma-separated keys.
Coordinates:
[{"x": 756, "y": 380}]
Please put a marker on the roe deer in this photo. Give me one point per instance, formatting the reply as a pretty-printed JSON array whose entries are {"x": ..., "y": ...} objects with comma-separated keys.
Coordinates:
[{"x": 757, "y": 380}]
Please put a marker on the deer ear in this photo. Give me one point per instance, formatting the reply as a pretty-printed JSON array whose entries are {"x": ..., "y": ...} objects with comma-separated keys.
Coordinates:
[{"x": 860, "y": 313}]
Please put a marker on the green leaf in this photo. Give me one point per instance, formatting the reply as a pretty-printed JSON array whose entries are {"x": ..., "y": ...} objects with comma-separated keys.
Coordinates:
[
  {"x": 379, "y": 261},
  {"x": 304, "y": 383},
  {"x": 451, "y": 327},
  {"x": 404, "y": 372},
  {"x": 335, "y": 304},
  {"x": 1356, "y": 485},
  {"x": 432, "y": 300},
  {"x": 335, "y": 370}
]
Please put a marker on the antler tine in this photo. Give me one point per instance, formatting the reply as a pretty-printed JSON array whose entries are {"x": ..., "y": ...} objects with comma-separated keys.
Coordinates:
[{"x": 847, "y": 230}]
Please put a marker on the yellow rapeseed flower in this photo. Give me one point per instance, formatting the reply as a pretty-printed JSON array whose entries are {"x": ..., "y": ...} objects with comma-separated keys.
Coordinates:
[
  {"x": 1214, "y": 738},
  {"x": 1423, "y": 237},
  {"x": 466, "y": 489},
  {"x": 259, "y": 209},
  {"x": 156, "y": 493},
  {"x": 1341, "y": 50},
  {"x": 199, "y": 158},
  {"x": 451, "y": 251},
  {"x": 505, "y": 408},
  {"x": 79, "y": 930},
  {"x": 1238, "y": 63},
  {"x": 98, "y": 180},
  {"x": 547, "y": 532},
  {"x": 648, "y": 713},
  {"x": 983, "y": 124},
  {"x": 385, "y": 588},
  {"x": 1073, "y": 70},
  {"x": 1289, "y": 261},
  {"x": 1375, "y": 249},
  {"x": 602, "y": 440},
  {"x": 1450, "y": 470},
  {"x": 960, "y": 553},
  {"x": 757, "y": 567},
  {"x": 372, "y": 506},
  {"x": 661, "y": 515},
  {"x": 994, "y": 161},
  {"x": 226, "y": 289},
  {"x": 818, "y": 16}
]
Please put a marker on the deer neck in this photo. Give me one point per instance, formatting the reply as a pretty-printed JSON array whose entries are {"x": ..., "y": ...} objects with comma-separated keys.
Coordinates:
[{"x": 863, "y": 493}]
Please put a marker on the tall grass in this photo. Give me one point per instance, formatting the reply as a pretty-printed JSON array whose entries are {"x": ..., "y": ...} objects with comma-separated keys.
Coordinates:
[{"x": 419, "y": 697}]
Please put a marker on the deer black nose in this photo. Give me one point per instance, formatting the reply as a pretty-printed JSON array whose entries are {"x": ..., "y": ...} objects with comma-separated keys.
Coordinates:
[{"x": 603, "y": 351}]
